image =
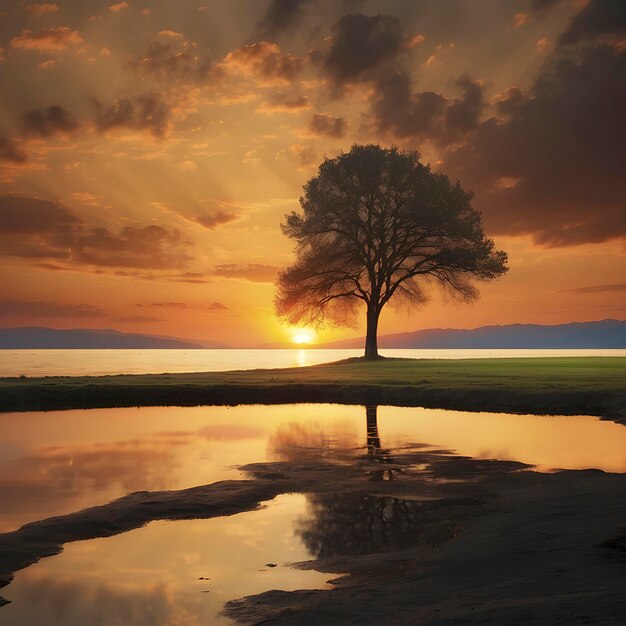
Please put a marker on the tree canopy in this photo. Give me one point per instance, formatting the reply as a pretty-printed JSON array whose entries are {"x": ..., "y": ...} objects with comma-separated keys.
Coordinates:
[{"x": 377, "y": 224}]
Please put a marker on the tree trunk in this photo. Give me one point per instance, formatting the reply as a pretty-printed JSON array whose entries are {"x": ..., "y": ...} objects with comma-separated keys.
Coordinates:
[
  {"x": 373, "y": 440},
  {"x": 371, "y": 339}
]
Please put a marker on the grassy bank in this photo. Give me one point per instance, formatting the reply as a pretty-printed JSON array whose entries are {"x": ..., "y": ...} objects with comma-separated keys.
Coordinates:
[{"x": 567, "y": 385}]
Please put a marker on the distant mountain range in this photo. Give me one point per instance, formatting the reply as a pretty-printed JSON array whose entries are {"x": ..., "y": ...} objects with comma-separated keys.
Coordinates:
[
  {"x": 602, "y": 334},
  {"x": 37, "y": 338}
]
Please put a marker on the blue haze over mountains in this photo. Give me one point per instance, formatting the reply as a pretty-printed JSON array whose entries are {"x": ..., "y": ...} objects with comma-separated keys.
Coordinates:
[
  {"x": 605, "y": 334},
  {"x": 602, "y": 334}
]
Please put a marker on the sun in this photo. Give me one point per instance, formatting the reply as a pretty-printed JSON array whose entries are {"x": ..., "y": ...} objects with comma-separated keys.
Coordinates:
[{"x": 302, "y": 336}]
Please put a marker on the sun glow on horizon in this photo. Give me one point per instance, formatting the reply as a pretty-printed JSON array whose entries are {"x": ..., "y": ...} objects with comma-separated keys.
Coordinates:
[{"x": 302, "y": 336}]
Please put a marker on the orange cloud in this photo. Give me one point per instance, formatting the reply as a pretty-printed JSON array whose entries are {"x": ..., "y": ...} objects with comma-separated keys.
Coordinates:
[
  {"x": 253, "y": 272},
  {"x": 120, "y": 6},
  {"x": 172, "y": 34},
  {"x": 542, "y": 44},
  {"x": 264, "y": 61},
  {"x": 41, "y": 9},
  {"x": 305, "y": 154},
  {"x": 49, "y": 40},
  {"x": 411, "y": 42},
  {"x": 214, "y": 306},
  {"x": 520, "y": 19}
]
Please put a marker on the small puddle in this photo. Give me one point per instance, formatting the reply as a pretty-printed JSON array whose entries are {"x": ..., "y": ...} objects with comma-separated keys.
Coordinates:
[{"x": 167, "y": 573}]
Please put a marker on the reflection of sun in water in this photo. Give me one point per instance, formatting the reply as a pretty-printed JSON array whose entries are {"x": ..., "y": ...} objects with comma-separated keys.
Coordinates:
[{"x": 302, "y": 336}]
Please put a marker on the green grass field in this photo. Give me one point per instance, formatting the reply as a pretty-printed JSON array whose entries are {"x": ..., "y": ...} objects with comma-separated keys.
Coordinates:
[{"x": 568, "y": 385}]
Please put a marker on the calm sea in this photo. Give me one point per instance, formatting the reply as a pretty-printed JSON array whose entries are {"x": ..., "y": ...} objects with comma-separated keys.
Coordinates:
[{"x": 101, "y": 362}]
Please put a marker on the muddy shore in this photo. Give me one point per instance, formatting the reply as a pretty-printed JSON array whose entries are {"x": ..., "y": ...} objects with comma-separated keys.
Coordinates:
[{"x": 488, "y": 541}]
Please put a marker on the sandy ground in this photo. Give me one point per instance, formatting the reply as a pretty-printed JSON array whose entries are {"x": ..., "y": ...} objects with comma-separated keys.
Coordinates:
[{"x": 415, "y": 536}]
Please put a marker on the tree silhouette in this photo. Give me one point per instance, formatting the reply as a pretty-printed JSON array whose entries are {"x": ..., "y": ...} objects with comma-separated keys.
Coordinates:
[{"x": 377, "y": 224}]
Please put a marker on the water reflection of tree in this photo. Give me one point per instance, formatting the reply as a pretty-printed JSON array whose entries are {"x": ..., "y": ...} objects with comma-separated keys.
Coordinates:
[
  {"x": 375, "y": 451},
  {"x": 340, "y": 524},
  {"x": 296, "y": 441}
]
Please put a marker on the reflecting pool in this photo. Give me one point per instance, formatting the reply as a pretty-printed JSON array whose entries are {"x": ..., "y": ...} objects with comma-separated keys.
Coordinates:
[
  {"x": 182, "y": 573},
  {"x": 60, "y": 461}
]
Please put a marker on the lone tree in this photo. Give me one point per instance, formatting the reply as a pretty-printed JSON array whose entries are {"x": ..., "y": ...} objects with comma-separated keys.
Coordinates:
[{"x": 377, "y": 224}]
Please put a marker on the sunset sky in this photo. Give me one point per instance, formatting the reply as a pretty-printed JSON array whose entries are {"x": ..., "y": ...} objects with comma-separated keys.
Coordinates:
[{"x": 149, "y": 150}]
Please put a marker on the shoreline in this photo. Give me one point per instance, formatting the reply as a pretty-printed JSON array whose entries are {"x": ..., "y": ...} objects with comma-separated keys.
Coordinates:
[
  {"x": 493, "y": 540},
  {"x": 549, "y": 385}
]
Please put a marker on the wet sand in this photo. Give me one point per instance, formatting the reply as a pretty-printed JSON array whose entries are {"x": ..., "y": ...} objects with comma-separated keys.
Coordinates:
[{"x": 494, "y": 542}]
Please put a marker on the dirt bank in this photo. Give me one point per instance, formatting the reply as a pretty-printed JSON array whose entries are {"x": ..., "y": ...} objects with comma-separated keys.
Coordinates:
[{"x": 555, "y": 386}]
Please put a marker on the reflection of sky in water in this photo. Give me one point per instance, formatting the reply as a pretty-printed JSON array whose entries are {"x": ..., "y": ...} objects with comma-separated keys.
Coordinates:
[
  {"x": 152, "y": 576},
  {"x": 57, "y": 462}
]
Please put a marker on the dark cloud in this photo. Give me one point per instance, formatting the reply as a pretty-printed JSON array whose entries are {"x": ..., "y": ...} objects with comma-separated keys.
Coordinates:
[
  {"x": 26, "y": 215},
  {"x": 217, "y": 306},
  {"x": 280, "y": 15},
  {"x": 146, "y": 112},
  {"x": 266, "y": 62},
  {"x": 49, "y": 121},
  {"x": 464, "y": 114},
  {"x": 327, "y": 125},
  {"x": 11, "y": 151},
  {"x": 216, "y": 219},
  {"x": 36, "y": 228},
  {"x": 150, "y": 247},
  {"x": 399, "y": 112},
  {"x": 425, "y": 115},
  {"x": 361, "y": 45},
  {"x": 554, "y": 167},
  {"x": 598, "y": 17},
  {"x": 177, "y": 61},
  {"x": 285, "y": 103},
  {"x": 35, "y": 308},
  {"x": 252, "y": 272},
  {"x": 369, "y": 49},
  {"x": 597, "y": 289}
]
